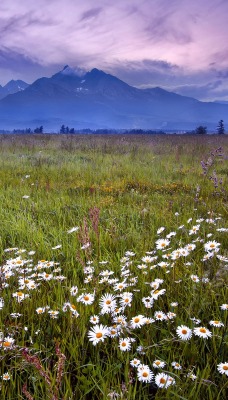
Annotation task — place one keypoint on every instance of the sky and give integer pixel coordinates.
(179, 45)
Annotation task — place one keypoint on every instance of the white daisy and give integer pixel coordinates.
(7, 343)
(223, 368)
(195, 278)
(144, 373)
(176, 365)
(114, 331)
(158, 364)
(162, 380)
(159, 316)
(149, 321)
(192, 376)
(183, 332)
(20, 296)
(126, 299)
(224, 307)
(121, 320)
(203, 332)
(97, 334)
(137, 322)
(160, 230)
(216, 324)
(147, 259)
(129, 254)
(211, 246)
(125, 344)
(171, 315)
(107, 303)
(40, 310)
(156, 293)
(94, 319)
(174, 304)
(162, 243)
(148, 302)
(53, 314)
(6, 376)
(135, 362)
(87, 298)
(190, 246)
(120, 286)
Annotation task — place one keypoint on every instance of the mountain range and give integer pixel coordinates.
(96, 99)
(12, 87)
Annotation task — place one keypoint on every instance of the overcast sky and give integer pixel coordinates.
(180, 45)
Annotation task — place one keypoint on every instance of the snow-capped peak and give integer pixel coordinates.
(76, 71)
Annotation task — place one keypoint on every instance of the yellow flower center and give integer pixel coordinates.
(225, 367)
(86, 298)
(145, 374)
(108, 302)
(99, 335)
(73, 306)
(162, 380)
(124, 344)
(157, 362)
(6, 344)
(19, 294)
(202, 330)
(136, 320)
(216, 322)
(184, 331)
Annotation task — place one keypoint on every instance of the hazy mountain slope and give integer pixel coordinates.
(96, 99)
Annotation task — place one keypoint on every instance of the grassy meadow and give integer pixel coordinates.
(113, 273)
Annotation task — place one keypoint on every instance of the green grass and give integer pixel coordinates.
(136, 184)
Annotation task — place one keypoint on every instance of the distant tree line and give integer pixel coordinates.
(202, 130)
(199, 130)
(40, 129)
(66, 129)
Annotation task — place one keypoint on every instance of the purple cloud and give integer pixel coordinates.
(167, 43)
(92, 13)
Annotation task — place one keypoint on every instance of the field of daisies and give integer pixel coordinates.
(113, 273)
